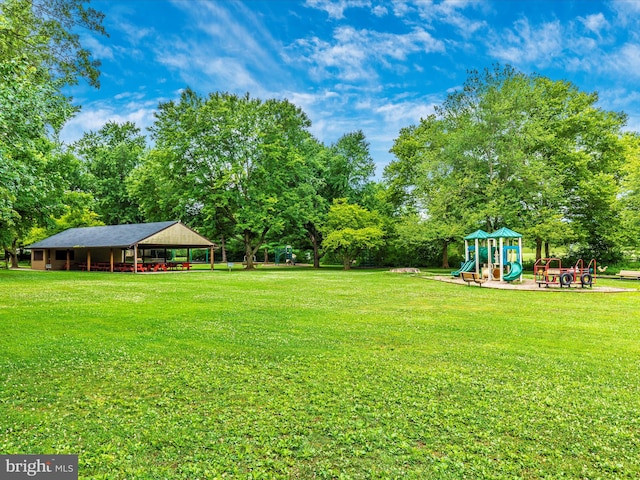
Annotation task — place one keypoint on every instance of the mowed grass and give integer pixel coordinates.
(295, 373)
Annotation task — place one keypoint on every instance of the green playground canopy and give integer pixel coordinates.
(477, 235)
(505, 232)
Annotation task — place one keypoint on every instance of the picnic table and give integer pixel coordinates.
(96, 266)
(178, 265)
(129, 267)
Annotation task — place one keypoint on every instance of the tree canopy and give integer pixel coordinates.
(351, 229)
(108, 156)
(514, 150)
(225, 159)
(508, 149)
(39, 55)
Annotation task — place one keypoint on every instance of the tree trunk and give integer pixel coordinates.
(224, 249)
(445, 254)
(314, 236)
(248, 251)
(13, 253)
(546, 249)
(538, 248)
(346, 261)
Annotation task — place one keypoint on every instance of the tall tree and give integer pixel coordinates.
(45, 32)
(631, 190)
(516, 150)
(39, 54)
(350, 229)
(227, 159)
(432, 178)
(343, 170)
(109, 156)
(312, 203)
(350, 168)
(579, 146)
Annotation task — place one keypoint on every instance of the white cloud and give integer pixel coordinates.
(595, 23)
(622, 99)
(131, 95)
(618, 99)
(335, 8)
(335, 113)
(353, 55)
(134, 33)
(406, 113)
(232, 50)
(395, 115)
(449, 12)
(221, 26)
(94, 116)
(401, 8)
(380, 11)
(524, 44)
(628, 11)
(97, 48)
(203, 68)
(589, 44)
(328, 111)
(624, 61)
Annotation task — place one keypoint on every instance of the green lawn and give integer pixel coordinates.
(295, 373)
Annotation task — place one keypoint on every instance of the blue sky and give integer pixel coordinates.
(369, 65)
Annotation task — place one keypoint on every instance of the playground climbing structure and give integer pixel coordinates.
(496, 256)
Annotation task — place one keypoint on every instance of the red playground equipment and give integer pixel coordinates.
(549, 271)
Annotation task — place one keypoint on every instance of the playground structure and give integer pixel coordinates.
(285, 253)
(492, 257)
(549, 271)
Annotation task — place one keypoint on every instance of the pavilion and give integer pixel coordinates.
(133, 247)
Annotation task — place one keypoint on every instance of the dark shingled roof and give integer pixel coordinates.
(123, 236)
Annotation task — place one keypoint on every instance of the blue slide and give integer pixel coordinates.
(515, 269)
(466, 267)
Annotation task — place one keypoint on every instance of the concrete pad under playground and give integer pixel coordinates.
(528, 284)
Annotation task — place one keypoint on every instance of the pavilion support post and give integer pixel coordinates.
(67, 265)
(88, 260)
(111, 260)
(135, 258)
(211, 256)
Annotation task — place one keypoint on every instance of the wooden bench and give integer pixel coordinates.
(473, 277)
(629, 274)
